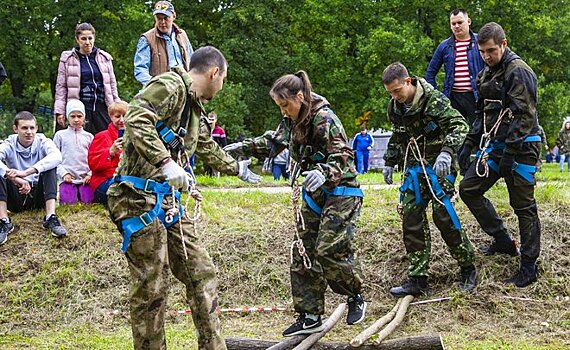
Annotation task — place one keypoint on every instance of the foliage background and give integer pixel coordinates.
(343, 45)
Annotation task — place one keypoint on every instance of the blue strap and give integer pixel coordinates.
(136, 223)
(412, 183)
(533, 138)
(339, 191)
(165, 132)
(525, 171)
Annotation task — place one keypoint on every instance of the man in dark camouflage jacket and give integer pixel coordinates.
(508, 140)
(142, 196)
(427, 132)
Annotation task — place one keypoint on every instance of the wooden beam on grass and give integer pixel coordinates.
(375, 327)
(403, 307)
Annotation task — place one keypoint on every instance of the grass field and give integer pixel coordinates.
(72, 293)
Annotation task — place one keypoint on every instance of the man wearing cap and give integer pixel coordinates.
(162, 47)
(28, 163)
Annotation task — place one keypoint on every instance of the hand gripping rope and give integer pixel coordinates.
(295, 195)
(485, 146)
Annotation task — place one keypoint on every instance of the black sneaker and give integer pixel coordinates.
(414, 286)
(5, 228)
(53, 224)
(356, 309)
(468, 278)
(304, 325)
(509, 248)
(525, 276)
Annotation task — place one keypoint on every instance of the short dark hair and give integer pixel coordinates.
(84, 26)
(490, 31)
(395, 71)
(24, 115)
(458, 11)
(207, 57)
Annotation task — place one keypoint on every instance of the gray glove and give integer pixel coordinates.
(442, 165)
(235, 149)
(387, 172)
(247, 175)
(175, 175)
(313, 180)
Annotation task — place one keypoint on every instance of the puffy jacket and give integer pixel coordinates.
(68, 84)
(100, 162)
(445, 54)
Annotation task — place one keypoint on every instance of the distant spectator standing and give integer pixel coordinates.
(219, 135)
(563, 143)
(73, 143)
(162, 47)
(28, 164)
(105, 152)
(280, 165)
(86, 73)
(3, 74)
(362, 144)
(462, 62)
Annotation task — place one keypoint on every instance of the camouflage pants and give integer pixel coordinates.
(521, 198)
(328, 241)
(154, 251)
(417, 237)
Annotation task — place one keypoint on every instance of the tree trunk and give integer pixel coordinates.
(423, 342)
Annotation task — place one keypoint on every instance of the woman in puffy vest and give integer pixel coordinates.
(86, 73)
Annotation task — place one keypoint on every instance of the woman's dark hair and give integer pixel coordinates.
(286, 88)
(83, 26)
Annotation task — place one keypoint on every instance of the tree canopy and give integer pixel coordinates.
(343, 45)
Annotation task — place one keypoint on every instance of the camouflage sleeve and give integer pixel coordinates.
(271, 143)
(159, 99)
(521, 92)
(212, 154)
(452, 123)
(395, 150)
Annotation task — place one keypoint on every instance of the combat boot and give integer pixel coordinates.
(468, 278)
(414, 286)
(526, 275)
(503, 244)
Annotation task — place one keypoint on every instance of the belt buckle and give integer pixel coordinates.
(149, 186)
(146, 219)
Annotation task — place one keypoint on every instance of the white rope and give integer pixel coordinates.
(486, 139)
(298, 242)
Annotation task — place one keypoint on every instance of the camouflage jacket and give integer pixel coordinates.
(163, 99)
(563, 141)
(441, 127)
(327, 149)
(510, 84)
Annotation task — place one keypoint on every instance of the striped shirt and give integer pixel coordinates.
(462, 83)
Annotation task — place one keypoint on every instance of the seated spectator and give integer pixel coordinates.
(73, 143)
(105, 152)
(28, 164)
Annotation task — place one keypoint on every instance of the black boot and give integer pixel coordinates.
(414, 286)
(468, 278)
(503, 244)
(526, 275)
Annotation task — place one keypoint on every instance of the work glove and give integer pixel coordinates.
(506, 165)
(442, 165)
(235, 149)
(388, 171)
(245, 174)
(313, 180)
(464, 159)
(176, 176)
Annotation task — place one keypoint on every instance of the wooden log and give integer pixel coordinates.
(422, 342)
(397, 320)
(328, 325)
(375, 327)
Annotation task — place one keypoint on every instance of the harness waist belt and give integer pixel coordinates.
(339, 191)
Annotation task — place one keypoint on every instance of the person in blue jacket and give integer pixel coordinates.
(362, 144)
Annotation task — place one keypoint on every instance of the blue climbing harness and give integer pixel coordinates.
(524, 170)
(335, 192)
(412, 184)
(136, 223)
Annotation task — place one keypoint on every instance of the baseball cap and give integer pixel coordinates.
(163, 7)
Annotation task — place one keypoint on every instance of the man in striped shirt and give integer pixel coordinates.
(462, 62)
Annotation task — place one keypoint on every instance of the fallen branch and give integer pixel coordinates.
(397, 320)
(375, 327)
(328, 325)
(436, 300)
(423, 342)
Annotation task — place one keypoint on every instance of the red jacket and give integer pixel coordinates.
(100, 162)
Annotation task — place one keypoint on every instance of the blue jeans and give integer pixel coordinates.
(564, 158)
(280, 170)
(362, 161)
(101, 191)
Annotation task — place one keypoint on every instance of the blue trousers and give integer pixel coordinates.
(362, 161)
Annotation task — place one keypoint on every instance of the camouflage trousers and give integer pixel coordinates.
(417, 236)
(152, 252)
(328, 240)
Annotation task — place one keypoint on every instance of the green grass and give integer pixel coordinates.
(72, 293)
